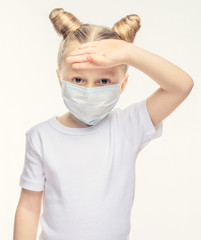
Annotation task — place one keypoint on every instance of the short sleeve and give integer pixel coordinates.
(32, 176)
(149, 131)
(136, 125)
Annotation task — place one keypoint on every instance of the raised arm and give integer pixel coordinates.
(175, 84)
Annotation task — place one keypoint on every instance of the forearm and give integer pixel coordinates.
(166, 74)
(26, 224)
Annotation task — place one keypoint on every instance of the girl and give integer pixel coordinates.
(83, 162)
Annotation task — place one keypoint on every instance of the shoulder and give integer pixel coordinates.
(129, 112)
(37, 130)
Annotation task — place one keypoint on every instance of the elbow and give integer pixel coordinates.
(190, 84)
(187, 87)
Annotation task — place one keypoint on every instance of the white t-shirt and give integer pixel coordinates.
(87, 174)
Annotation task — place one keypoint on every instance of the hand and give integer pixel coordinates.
(99, 54)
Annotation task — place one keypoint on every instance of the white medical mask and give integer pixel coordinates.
(90, 105)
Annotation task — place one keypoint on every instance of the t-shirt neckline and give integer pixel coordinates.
(54, 122)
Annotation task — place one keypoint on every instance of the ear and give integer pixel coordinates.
(124, 82)
(58, 77)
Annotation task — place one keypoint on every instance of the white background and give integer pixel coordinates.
(167, 202)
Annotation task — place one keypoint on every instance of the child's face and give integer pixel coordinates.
(92, 77)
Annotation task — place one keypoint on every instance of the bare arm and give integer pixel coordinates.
(175, 84)
(27, 215)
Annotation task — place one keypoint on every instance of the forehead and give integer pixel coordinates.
(114, 73)
(96, 71)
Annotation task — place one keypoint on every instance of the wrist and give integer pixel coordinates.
(130, 54)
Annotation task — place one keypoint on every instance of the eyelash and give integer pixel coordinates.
(100, 80)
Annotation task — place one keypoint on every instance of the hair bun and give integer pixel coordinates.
(127, 27)
(64, 22)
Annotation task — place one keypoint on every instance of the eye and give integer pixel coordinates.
(79, 79)
(104, 80)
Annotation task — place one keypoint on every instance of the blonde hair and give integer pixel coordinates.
(74, 31)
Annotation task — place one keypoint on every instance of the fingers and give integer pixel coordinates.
(94, 62)
(81, 51)
(92, 58)
(78, 58)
